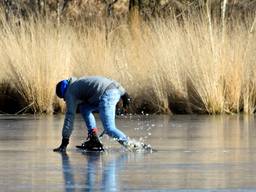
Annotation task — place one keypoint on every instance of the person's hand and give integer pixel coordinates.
(126, 100)
(63, 146)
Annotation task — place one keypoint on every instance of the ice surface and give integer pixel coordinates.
(195, 153)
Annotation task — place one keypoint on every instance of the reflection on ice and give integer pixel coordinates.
(195, 153)
(98, 175)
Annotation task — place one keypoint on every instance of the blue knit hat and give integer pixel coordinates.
(61, 88)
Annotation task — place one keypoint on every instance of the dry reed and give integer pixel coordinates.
(35, 56)
(166, 67)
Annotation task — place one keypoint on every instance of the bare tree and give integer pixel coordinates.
(135, 4)
(109, 6)
(61, 7)
(109, 13)
(7, 8)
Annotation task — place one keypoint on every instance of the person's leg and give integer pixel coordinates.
(86, 111)
(92, 142)
(107, 108)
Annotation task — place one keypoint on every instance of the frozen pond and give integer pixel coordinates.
(195, 153)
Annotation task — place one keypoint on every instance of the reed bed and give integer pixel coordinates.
(34, 56)
(166, 66)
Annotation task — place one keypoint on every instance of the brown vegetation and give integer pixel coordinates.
(198, 61)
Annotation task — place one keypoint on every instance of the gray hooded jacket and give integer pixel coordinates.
(84, 90)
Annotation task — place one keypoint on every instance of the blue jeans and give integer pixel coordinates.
(107, 110)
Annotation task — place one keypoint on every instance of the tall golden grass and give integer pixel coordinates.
(34, 56)
(167, 66)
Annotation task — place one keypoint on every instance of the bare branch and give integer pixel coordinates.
(64, 5)
(135, 3)
(109, 7)
(253, 25)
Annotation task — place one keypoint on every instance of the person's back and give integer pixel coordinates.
(89, 89)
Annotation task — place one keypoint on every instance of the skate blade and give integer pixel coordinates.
(99, 149)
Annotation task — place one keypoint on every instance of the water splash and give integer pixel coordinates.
(137, 146)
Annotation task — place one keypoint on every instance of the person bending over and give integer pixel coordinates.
(90, 94)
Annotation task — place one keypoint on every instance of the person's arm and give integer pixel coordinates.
(68, 124)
